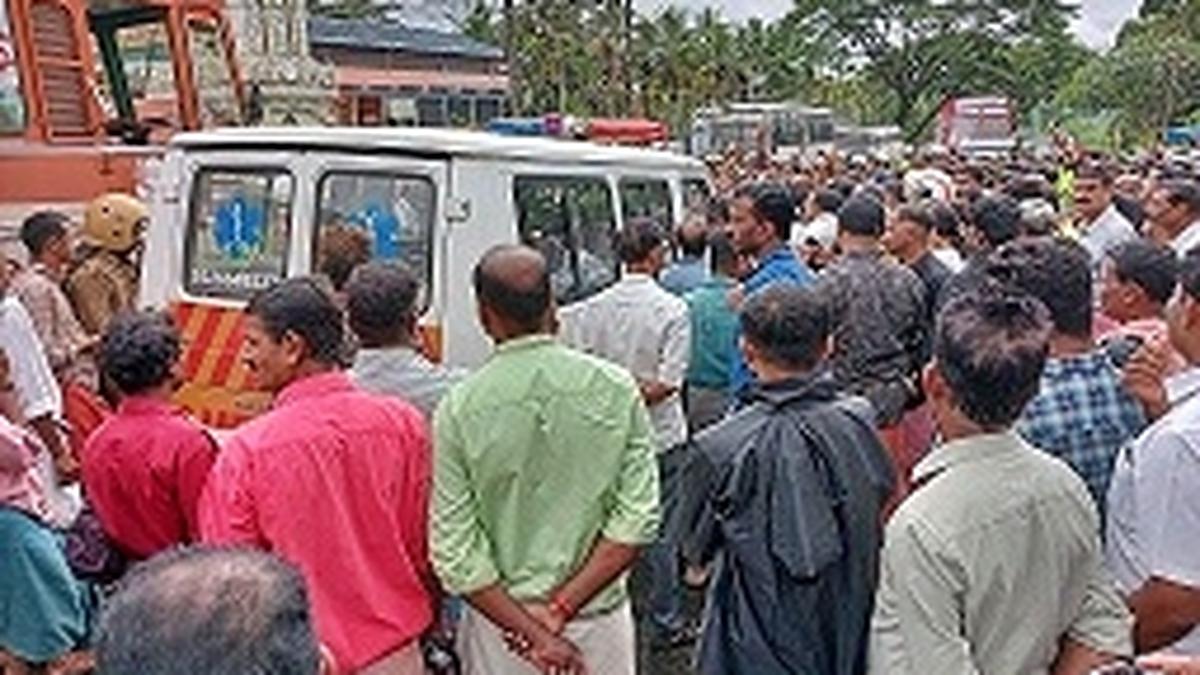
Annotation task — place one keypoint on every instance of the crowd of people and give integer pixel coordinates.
(939, 418)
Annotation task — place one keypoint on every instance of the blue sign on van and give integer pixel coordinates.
(384, 225)
(240, 227)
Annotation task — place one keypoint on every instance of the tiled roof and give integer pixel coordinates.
(382, 35)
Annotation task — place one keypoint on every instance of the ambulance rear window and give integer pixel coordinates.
(237, 238)
(390, 214)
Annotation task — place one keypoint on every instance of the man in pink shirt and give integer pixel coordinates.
(144, 468)
(334, 480)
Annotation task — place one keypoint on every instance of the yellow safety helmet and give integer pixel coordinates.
(114, 222)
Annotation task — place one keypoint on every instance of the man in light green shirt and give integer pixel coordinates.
(993, 564)
(545, 486)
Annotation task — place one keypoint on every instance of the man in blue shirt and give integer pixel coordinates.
(714, 338)
(760, 223)
(1082, 414)
(688, 272)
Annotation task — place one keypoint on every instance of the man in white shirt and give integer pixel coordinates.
(993, 564)
(814, 241)
(38, 397)
(1102, 227)
(639, 325)
(1174, 213)
(1153, 538)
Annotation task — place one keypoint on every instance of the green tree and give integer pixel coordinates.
(875, 61)
(920, 52)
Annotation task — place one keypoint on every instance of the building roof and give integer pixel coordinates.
(436, 143)
(389, 36)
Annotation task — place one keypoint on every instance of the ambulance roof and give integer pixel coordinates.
(434, 143)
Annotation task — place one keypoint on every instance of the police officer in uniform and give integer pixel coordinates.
(105, 281)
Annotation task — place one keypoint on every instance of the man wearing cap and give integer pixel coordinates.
(105, 283)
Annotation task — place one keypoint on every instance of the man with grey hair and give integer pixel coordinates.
(382, 304)
(210, 611)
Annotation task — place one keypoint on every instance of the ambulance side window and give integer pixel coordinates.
(570, 220)
(237, 236)
(374, 216)
(695, 195)
(646, 198)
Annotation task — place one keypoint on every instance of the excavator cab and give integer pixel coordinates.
(166, 66)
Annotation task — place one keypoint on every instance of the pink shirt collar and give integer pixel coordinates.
(314, 386)
(144, 405)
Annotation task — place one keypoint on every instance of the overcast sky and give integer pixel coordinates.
(1097, 24)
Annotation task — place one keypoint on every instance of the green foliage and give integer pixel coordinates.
(875, 61)
(1150, 80)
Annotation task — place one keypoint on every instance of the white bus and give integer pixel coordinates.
(785, 129)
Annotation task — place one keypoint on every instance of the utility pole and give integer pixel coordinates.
(627, 54)
(510, 52)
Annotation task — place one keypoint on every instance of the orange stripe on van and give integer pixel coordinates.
(218, 346)
(210, 320)
(181, 313)
(229, 361)
(215, 387)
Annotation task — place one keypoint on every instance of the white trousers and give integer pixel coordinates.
(607, 643)
(405, 661)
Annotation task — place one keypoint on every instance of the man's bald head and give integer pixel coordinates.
(513, 282)
(693, 236)
(209, 611)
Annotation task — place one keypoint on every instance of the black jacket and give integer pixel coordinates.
(785, 497)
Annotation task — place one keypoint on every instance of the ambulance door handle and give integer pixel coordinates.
(458, 210)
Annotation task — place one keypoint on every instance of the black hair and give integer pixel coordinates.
(381, 303)
(1031, 186)
(843, 186)
(1151, 267)
(991, 347)
(525, 306)
(862, 215)
(42, 228)
(342, 248)
(920, 213)
(1057, 272)
(305, 307)
(638, 239)
(829, 200)
(138, 351)
(1189, 273)
(789, 324)
(209, 610)
(722, 255)
(1095, 170)
(998, 219)
(773, 203)
(717, 211)
(945, 221)
(693, 242)
(1183, 191)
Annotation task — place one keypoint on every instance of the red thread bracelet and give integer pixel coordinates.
(561, 608)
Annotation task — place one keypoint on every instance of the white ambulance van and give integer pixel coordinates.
(236, 210)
